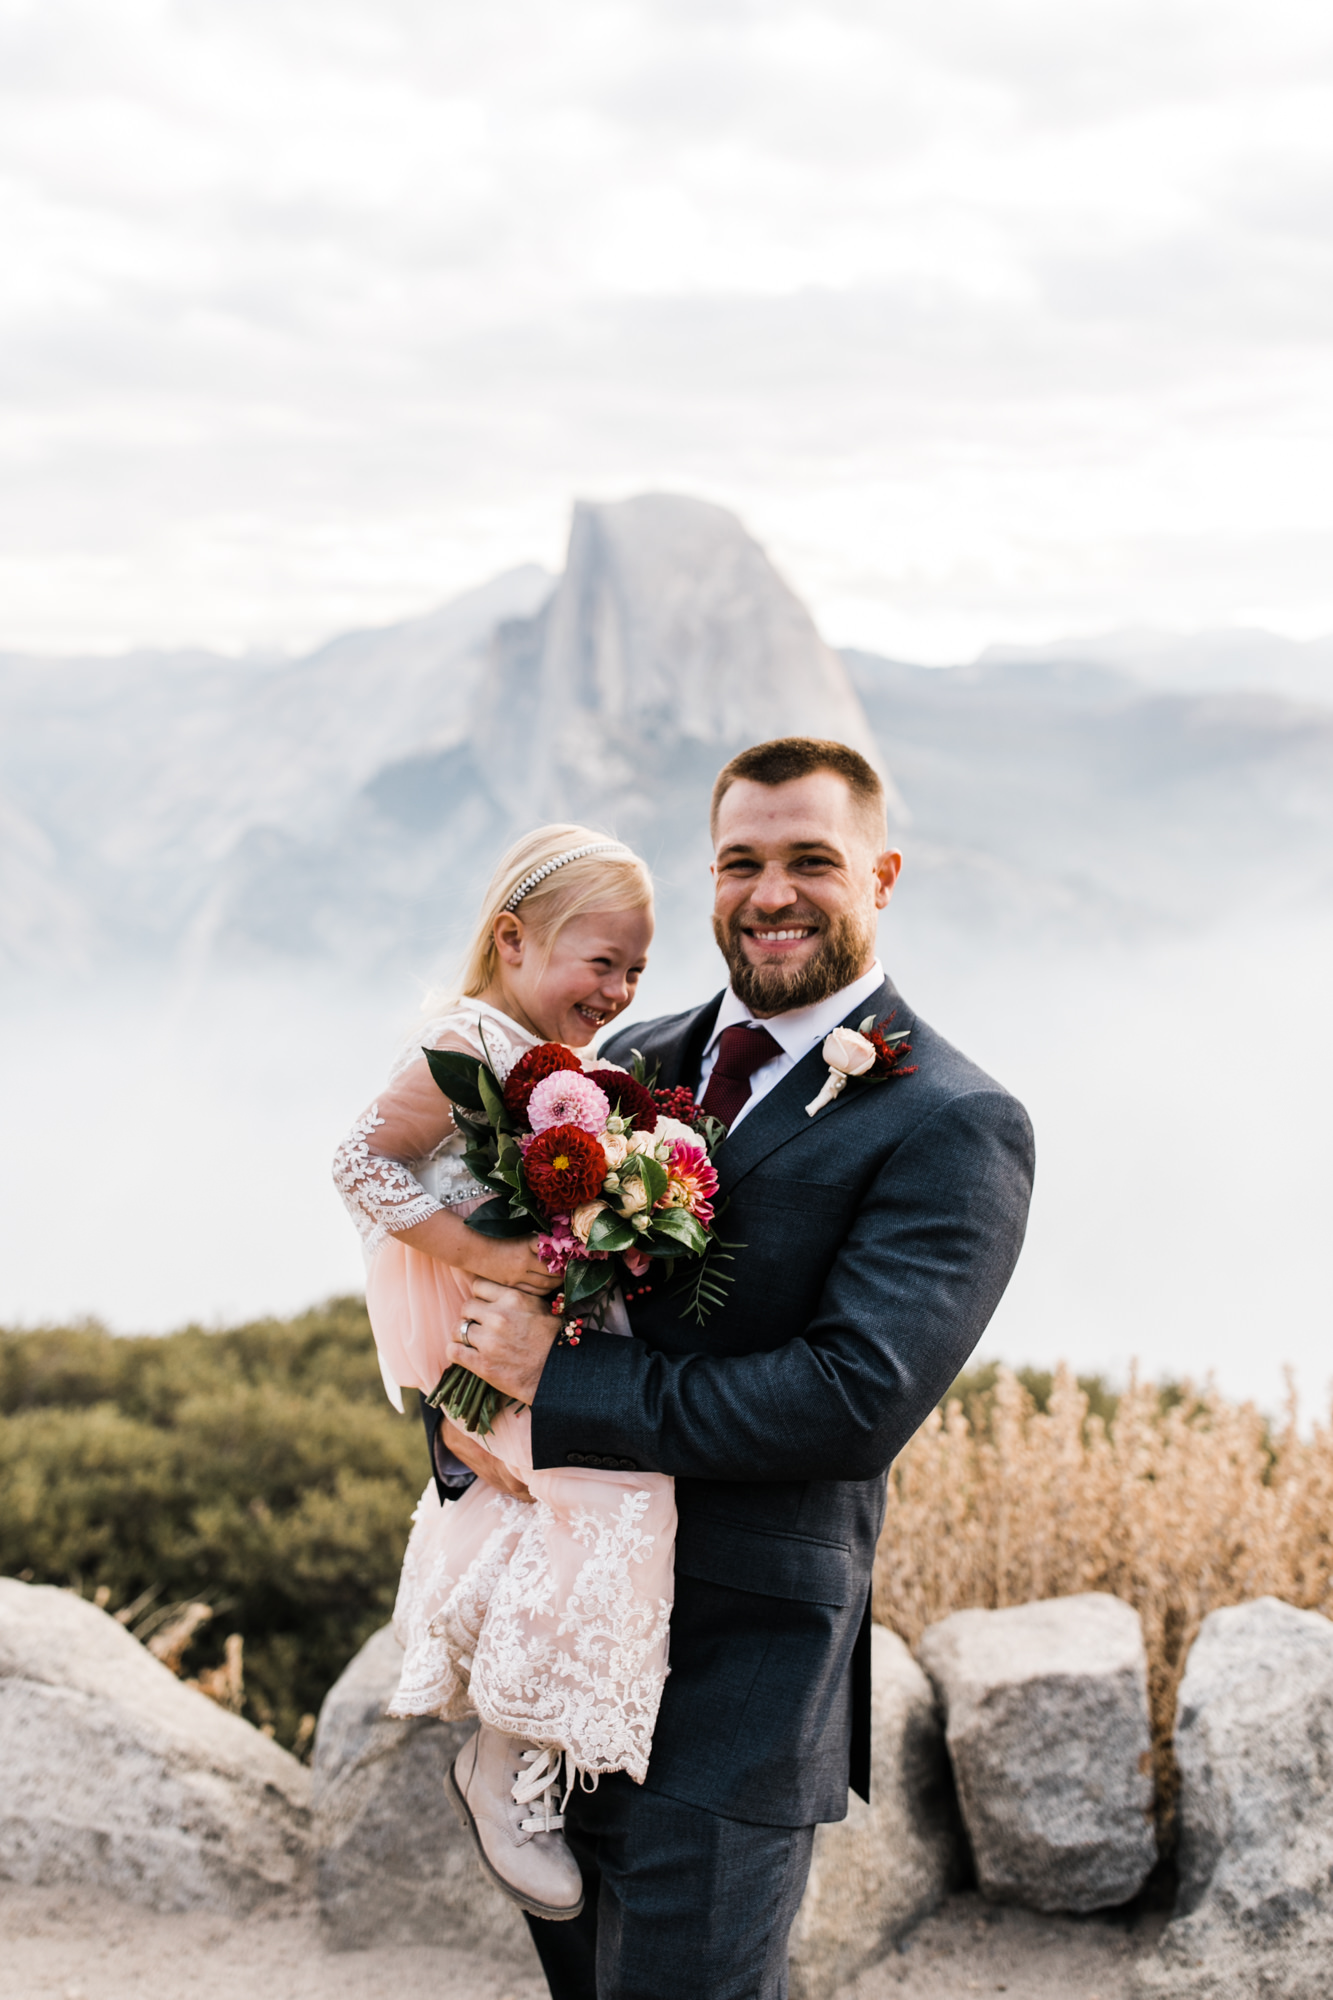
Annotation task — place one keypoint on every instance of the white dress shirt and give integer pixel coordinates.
(798, 1032)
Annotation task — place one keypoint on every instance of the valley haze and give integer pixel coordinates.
(224, 884)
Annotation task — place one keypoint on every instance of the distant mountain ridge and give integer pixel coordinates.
(1066, 804)
(344, 808)
(1241, 660)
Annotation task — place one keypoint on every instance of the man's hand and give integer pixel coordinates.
(477, 1459)
(508, 1340)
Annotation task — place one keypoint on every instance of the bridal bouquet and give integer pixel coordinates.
(611, 1175)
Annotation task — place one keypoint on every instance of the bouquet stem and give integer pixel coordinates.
(468, 1400)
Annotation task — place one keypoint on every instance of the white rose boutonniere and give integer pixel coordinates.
(863, 1051)
(847, 1054)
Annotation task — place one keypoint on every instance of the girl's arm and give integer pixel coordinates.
(408, 1121)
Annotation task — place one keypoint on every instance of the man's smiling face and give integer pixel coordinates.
(802, 874)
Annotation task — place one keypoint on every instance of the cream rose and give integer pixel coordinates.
(583, 1218)
(633, 1197)
(616, 1148)
(670, 1132)
(849, 1053)
(643, 1142)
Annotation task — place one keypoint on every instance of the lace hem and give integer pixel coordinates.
(437, 1616)
(595, 1696)
(490, 1631)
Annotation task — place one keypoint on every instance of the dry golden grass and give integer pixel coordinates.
(1176, 1506)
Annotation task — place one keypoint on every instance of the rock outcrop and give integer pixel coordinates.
(1254, 1741)
(889, 1863)
(670, 641)
(1046, 1710)
(393, 1865)
(114, 1775)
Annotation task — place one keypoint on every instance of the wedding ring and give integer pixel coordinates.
(463, 1326)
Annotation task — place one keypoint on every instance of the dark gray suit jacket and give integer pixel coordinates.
(879, 1236)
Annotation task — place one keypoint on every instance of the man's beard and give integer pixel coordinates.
(844, 949)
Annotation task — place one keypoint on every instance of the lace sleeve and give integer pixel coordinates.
(379, 1166)
(380, 1193)
(406, 1126)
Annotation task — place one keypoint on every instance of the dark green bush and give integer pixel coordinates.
(259, 1470)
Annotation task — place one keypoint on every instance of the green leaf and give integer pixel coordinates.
(712, 1131)
(866, 1025)
(654, 1177)
(457, 1076)
(495, 1218)
(638, 1069)
(494, 1103)
(584, 1279)
(682, 1227)
(651, 1247)
(611, 1232)
(705, 1288)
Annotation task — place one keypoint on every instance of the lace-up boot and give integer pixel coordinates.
(506, 1792)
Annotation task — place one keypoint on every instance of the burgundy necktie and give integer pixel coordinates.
(740, 1052)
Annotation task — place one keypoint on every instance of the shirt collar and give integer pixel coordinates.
(797, 1031)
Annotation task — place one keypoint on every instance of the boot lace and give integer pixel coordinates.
(537, 1786)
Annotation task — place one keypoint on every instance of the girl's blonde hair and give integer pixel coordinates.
(614, 879)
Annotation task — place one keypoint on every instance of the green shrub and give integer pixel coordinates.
(258, 1470)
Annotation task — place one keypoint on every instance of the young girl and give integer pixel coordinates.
(547, 1617)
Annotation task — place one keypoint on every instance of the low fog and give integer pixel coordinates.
(173, 1162)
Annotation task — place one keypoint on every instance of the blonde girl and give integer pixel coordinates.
(540, 1600)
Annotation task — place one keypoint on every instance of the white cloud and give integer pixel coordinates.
(992, 320)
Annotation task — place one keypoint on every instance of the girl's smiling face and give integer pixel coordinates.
(572, 989)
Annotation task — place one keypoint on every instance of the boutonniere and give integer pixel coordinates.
(866, 1053)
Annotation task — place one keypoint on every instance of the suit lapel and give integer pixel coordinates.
(782, 1113)
(683, 1054)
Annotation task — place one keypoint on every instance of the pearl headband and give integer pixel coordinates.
(529, 882)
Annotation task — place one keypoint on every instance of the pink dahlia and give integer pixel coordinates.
(568, 1098)
(529, 1070)
(557, 1245)
(691, 1181)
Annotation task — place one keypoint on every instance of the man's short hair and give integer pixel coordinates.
(788, 757)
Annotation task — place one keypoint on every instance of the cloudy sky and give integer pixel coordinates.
(996, 319)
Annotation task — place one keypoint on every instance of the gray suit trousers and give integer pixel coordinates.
(680, 1902)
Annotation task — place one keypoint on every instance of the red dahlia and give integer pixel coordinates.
(528, 1071)
(564, 1166)
(632, 1100)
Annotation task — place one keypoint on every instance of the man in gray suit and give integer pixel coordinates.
(879, 1234)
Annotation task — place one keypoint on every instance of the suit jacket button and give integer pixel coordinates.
(575, 1458)
(627, 1464)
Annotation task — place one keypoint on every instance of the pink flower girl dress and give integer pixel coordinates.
(548, 1620)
